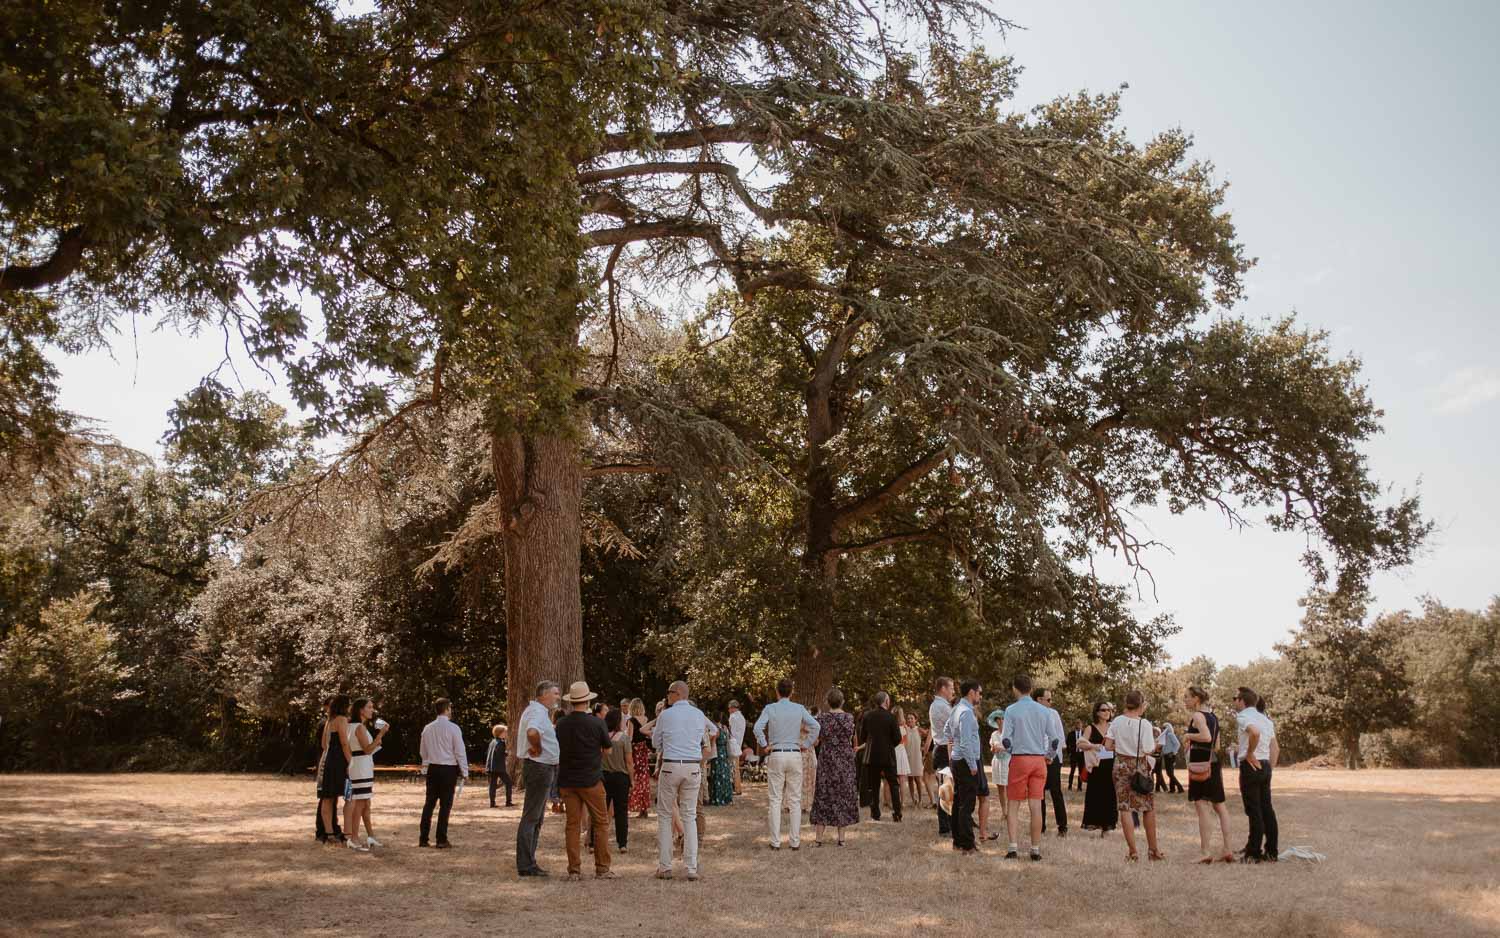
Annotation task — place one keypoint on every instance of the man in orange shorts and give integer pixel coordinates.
(1029, 738)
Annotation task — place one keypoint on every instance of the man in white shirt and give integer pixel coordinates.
(537, 739)
(678, 735)
(1257, 735)
(444, 760)
(779, 731)
(736, 741)
(937, 719)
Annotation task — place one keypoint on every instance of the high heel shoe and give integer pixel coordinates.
(1132, 858)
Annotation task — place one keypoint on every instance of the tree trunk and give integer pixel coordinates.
(539, 482)
(1351, 749)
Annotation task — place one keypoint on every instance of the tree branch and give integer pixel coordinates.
(888, 540)
(873, 503)
(66, 257)
(623, 468)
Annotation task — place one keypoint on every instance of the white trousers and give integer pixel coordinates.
(784, 774)
(677, 793)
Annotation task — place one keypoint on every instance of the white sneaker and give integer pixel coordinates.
(356, 845)
(372, 842)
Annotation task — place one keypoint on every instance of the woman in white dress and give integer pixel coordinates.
(911, 741)
(903, 758)
(999, 763)
(361, 785)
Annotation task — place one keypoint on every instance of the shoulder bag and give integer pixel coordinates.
(1200, 771)
(1141, 781)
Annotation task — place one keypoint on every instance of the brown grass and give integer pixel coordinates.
(122, 855)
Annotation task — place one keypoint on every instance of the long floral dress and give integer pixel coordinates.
(836, 800)
(640, 779)
(720, 778)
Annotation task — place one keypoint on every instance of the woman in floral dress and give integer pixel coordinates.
(720, 776)
(640, 753)
(836, 800)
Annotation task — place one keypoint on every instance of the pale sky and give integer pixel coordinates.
(1360, 144)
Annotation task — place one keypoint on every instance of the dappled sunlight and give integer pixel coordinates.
(234, 855)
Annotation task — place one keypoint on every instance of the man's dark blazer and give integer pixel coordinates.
(881, 734)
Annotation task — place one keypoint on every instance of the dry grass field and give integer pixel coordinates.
(1409, 853)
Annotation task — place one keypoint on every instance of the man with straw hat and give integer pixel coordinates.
(582, 740)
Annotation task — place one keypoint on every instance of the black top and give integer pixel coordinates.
(638, 733)
(581, 741)
(881, 735)
(1200, 751)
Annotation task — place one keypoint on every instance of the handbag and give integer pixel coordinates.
(1200, 771)
(1141, 781)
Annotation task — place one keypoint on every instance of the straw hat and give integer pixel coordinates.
(579, 693)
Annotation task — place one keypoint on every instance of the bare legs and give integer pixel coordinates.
(1206, 811)
(1127, 824)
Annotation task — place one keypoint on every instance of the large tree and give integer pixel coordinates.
(1348, 677)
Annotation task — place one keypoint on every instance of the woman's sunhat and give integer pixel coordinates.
(579, 693)
(996, 715)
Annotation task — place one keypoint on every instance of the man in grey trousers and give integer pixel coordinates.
(535, 732)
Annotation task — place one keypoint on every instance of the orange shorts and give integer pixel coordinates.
(1028, 778)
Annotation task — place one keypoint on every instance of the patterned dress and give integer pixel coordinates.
(836, 801)
(640, 780)
(720, 778)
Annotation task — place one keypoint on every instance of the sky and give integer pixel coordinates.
(1360, 146)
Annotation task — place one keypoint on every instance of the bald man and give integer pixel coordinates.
(679, 735)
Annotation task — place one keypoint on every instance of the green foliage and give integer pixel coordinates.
(59, 679)
(1452, 657)
(1347, 678)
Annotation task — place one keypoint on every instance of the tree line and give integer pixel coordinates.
(770, 331)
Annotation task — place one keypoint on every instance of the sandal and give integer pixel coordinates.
(839, 843)
(1132, 858)
(1157, 855)
(1227, 858)
(1206, 861)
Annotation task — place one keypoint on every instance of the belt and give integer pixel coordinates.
(684, 761)
(799, 749)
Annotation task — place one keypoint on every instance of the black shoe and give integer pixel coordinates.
(535, 872)
(1062, 832)
(423, 843)
(1036, 855)
(1012, 855)
(444, 845)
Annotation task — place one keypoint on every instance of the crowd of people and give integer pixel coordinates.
(596, 764)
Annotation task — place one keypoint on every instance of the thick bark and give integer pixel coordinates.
(539, 480)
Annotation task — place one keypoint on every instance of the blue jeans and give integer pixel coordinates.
(538, 780)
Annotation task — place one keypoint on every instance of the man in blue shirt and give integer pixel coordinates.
(678, 734)
(963, 760)
(1031, 738)
(1169, 745)
(779, 732)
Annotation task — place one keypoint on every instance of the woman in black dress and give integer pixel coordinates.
(1206, 794)
(1099, 803)
(335, 762)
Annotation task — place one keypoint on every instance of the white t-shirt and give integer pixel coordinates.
(1247, 718)
(1133, 736)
